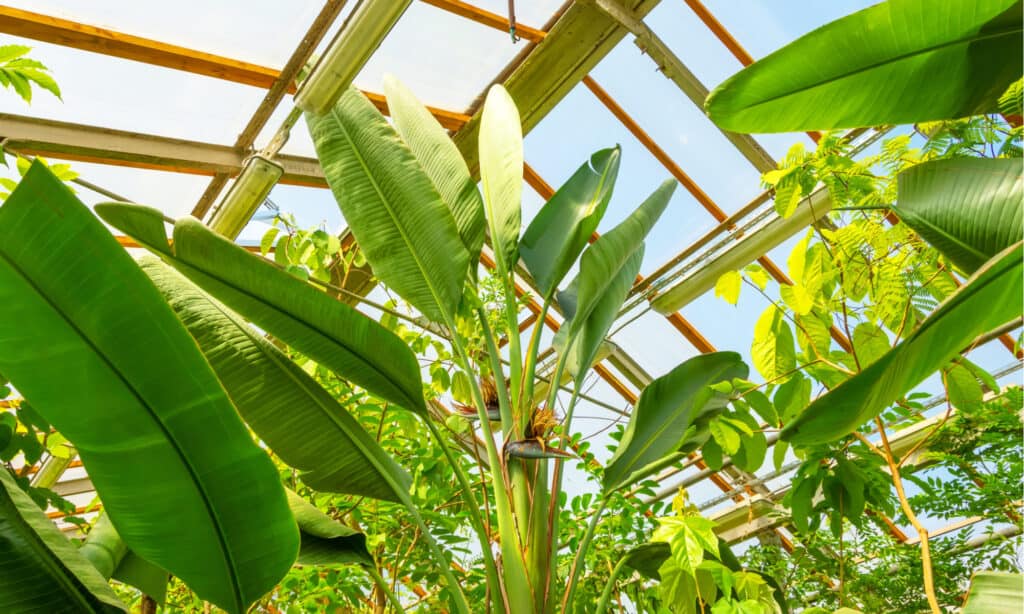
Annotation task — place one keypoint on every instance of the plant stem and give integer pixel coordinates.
(531, 355)
(926, 558)
(471, 503)
(517, 585)
(574, 571)
(606, 594)
(384, 588)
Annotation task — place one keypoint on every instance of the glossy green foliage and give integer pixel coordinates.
(42, 571)
(21, 73)
(104, 547)
(607, 271)
(897, 62)
(989, 299)
(501, 173)
(556, 236)
(324, 540)
(967, 208)
(399, 219)
(442, 162)
(665, 412)
(994, 593)
(316, 435)
(130, 373)
(327, 330)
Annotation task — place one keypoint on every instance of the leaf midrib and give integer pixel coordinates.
(228, 559)
(960, 41)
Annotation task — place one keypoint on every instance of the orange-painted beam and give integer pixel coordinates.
(487, 18)
(86, 37)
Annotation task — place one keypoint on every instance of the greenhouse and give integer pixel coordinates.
(512, 307)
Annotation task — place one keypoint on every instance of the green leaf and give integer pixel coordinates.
(591, 335)
(728, 286)
(10, 52)
(994, 592)
(713, 454)
(317, 436)
(328, 331)
(103, 547)
(605, 259)
(726, 436)
(870, 343)
(758, 275)
(1012, 100)
(962, 388)
(773, 351)
(501, 172)
(967, 208)
(564, 225)
(948, 59)
(324, 540)
(797, 298)
(42, 571)
(852, 479)
(763, 406)
(401, 223)
(753, 446)
(647, 558)
(148, 417)
(664, 412)
(801, 503)
(989, 299)
(143, 575)
(442, 162)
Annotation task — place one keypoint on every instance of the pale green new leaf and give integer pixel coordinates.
(327, 330)
(148, 417)
(897, 62)
(42, 571)
(773, 352)
(967, 208)
(870, 343)
(501, 172)
(564, 225)
(664, 412)
(110, 555)
(989, 299)
(728, 286)
(401, 223)
(442, 162)
(316, 435)
(994, 592)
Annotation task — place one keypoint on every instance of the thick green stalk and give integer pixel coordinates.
(517, 585)
(384, 588)
(606, 594)
(529, 372)
(472, 505)
(574, 571)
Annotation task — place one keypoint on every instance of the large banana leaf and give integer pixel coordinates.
(501, 172)
(599, 282)
(667, 408)
(42, 571)
(401, 223)
(968, 208)
(562, 228)
(329, 331)
(285, 407)
(994, 592)
(324, 540)
(442, 162)
(897, 62)
(989, 299)
(89, 341)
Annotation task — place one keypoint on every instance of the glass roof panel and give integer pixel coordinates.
(258, 31)
(104, 91)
